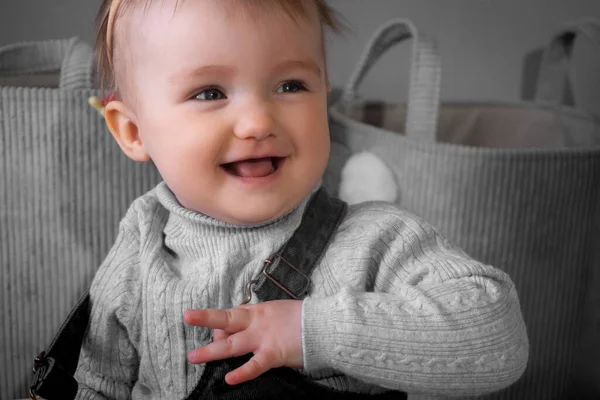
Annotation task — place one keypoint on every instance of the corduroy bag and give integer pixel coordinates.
(64, 187)
(515, 185)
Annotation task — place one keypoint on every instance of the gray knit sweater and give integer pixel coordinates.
(393, 304)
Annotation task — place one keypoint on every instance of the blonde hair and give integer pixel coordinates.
(111, 9)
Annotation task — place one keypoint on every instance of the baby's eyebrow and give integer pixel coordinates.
(215, 71)
(298, 64)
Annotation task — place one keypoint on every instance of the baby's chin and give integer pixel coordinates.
(254, 217)
(248, 216)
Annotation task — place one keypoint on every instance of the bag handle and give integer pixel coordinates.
(72, 58)
(554, 70)
(425, 76)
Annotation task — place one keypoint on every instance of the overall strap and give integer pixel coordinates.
(53, 369)
(286, 274)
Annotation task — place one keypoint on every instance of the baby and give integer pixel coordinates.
(228, 98)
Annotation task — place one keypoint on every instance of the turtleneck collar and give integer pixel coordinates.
(194, 236)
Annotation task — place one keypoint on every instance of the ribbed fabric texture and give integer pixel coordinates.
(78, 66)
(393, 304)
(65, 185)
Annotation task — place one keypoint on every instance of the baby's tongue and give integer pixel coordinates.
(253, 168)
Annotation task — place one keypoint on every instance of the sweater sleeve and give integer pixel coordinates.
(108, 362)
(407, 310)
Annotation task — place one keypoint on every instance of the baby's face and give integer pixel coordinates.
(231, 108)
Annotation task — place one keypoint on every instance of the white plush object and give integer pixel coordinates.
(366, 178)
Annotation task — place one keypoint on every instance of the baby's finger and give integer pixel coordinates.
(256, 366)
(230, 320)
(220, 334)
(232, 346)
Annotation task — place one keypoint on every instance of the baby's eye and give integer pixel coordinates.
(291, 87)
(210, 95)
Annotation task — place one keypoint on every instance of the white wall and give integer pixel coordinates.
(36, 19)
(484, 43)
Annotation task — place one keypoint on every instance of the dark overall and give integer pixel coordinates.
(285, 276)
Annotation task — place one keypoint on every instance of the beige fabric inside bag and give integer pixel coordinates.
(492, 126)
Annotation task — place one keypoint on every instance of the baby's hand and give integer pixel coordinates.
(270, 330)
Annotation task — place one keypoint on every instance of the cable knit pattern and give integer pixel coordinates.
(393, 304)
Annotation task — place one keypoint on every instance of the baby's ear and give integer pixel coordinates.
(124, 129)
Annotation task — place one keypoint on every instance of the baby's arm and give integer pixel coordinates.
(404, 309)
(108, 361)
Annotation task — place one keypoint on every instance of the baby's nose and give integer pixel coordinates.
(255, 121)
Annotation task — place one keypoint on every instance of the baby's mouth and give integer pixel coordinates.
(253, 168)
